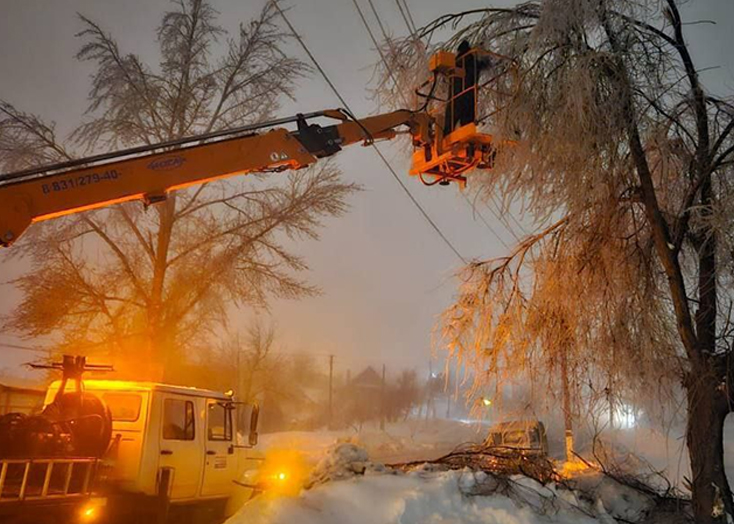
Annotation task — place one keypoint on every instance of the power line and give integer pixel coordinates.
(501, 217)
(382, 157)
(24, 348)
(410, 16)
(379, 20)
(517, 223)
(484, 220)
(377, 46)
(405, 19)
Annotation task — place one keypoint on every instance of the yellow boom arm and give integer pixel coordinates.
(148, 173)
(37, 195)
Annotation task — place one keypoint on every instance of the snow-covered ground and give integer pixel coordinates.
(398, 442)
(348, 484)
(414, 498)
(345, 487)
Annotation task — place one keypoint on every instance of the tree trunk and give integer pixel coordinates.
(707, 410)
(161, 345)
(567, 412)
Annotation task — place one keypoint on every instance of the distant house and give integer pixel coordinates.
(361, 399)
(20, 399)
(367, 379)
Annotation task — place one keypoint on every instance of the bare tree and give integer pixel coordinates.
(145, 283)
(254, 366)
(402, 396)
(625, 162)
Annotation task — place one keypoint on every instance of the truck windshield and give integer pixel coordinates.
(515, 438)
(125, 407)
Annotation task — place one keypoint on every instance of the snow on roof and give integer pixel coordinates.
(367, 378)
(125, 385)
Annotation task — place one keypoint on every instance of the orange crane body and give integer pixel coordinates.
(148, 173)
(149, 177)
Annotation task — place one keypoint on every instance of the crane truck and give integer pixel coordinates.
(144, 447)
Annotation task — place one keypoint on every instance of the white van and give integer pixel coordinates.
(171, 447)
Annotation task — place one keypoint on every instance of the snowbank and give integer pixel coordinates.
(415, 498)
(347, 488)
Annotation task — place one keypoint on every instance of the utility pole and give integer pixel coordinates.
(429, 396)
(331, 391)
(382, 400)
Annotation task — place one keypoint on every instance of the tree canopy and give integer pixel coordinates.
(145, 285)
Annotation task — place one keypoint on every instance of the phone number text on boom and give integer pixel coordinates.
(79, 181)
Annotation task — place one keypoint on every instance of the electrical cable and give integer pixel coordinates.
(405, 19)
(377, 46)
(384, 60)
(379, 20)
(410, 16)
(382, 157)
(499, 215)
(517, 223)
(484, 220)
(16, 347)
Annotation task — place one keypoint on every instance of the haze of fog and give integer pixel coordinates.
(384, 273)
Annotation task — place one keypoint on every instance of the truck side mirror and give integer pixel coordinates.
(253, 425)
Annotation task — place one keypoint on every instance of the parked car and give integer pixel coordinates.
(527, 436)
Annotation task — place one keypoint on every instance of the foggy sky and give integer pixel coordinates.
(384, 272)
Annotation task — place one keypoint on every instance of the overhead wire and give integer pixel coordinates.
(410, 16)
(17, 347)
(382, 157)
(501, 216)
(517, 222)
(484, 220)
(405, 18)
(379, 20)
(377, 46)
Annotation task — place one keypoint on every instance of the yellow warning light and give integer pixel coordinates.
(284, 472)
(91, 511)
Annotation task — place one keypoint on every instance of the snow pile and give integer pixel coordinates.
(341, 461)
(347, 488)
(609, 497)
(420, 497)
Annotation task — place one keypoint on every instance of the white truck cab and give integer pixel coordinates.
(189, 433)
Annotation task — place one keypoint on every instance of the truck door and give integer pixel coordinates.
(220, 465)
(181, 445)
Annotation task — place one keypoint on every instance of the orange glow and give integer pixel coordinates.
(284, 472)
(89, 513)
(574, 467)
